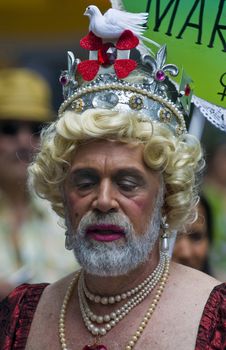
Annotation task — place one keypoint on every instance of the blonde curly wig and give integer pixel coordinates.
(179, 159)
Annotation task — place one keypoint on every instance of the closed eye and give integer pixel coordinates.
(83, 179)
(82, 186)
(127, 186)
(129, 180)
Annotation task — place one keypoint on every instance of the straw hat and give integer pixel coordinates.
(24, 95)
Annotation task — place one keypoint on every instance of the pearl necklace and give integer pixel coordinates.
(117, 298)
(131, 344)
(112, 319)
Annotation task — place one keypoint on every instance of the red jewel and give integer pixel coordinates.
(187, 90)
(107, 55)
(94, 347)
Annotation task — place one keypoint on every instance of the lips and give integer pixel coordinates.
(105, 233)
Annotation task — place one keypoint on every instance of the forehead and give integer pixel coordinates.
(110, 156)
(99, 151)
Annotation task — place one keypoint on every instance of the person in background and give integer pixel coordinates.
(214, 189)
(192, 247)
(26, 228)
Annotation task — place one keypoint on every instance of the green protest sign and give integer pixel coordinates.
(195, 34)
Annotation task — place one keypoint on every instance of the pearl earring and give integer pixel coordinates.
(164, 236)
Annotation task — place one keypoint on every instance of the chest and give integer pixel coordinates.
(166, 330)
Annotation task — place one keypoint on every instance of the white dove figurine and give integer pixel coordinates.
(114, 22)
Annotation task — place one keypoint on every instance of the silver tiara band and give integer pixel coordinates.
(124, 96)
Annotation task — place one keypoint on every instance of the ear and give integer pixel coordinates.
(164, 210)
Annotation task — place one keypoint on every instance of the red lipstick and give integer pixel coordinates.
(105, 232)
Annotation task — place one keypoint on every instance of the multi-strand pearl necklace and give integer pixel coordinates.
(120, 297)
(162, 281)
(108, 321)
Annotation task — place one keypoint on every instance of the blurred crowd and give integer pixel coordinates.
(203, 245)
(31, 239)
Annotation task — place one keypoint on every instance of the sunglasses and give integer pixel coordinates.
(11, 128)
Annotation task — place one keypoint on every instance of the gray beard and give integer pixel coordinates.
(117, 257)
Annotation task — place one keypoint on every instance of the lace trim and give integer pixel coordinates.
(214, 114)
(16, 314)
(212, 327)
(28, 307)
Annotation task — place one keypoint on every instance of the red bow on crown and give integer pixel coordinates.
(106, 56)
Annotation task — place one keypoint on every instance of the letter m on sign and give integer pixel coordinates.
(172, 4)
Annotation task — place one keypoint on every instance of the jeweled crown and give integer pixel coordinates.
(104, 81)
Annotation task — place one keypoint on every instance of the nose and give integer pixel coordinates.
(24, 136)
(105, 199)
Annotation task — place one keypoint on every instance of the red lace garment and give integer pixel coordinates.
(17, 311)
(16, 314)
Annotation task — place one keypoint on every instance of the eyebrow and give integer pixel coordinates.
(129, 171)
(84, 172)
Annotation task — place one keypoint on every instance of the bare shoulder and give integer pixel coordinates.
(183, 301)
(47, 316)
(192, 284)
(57, 289)
(52, 297)
(184, 272)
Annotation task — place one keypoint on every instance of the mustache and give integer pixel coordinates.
(110, 219)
